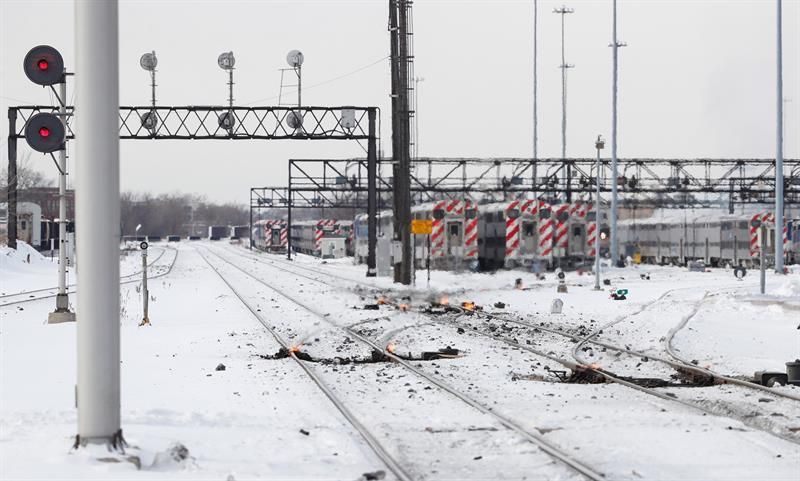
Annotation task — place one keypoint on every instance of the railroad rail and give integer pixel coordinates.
(535, 438)
(581, 365)
(49, 292)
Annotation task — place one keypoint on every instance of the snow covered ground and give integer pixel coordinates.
(262, 418)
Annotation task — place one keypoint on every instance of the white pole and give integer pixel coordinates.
(535, 84)
(779, 154)
(97, 221)
(62, 312)
(599, 146)
(613, 239)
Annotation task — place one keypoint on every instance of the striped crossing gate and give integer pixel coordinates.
(437, 232)
(591, 230)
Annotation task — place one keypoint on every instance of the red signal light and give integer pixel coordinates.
(43, 64)
(44, 132)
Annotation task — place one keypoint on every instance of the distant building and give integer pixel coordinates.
(47, 199)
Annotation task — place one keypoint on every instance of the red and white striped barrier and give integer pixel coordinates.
(470, 234)
(319, 232)
(437, 232)
(561, 239)
(591, 237)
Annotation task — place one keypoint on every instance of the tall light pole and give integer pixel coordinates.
(599, 144)
(779, 151)
(97, 222)
(535, 92)
(615, 44)
(563, 11)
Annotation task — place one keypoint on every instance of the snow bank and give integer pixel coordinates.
(14, 259)
(789, 288)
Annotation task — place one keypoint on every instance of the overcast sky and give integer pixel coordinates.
(697, 78)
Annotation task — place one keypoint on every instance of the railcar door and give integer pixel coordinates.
(529, 237)
(455, 239)
(577, 239)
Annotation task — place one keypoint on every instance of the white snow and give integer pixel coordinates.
(246, 421)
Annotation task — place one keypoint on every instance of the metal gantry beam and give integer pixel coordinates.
(741, 181)
(205, 122)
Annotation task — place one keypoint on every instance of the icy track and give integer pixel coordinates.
(496, 409)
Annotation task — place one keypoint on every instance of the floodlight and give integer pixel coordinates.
(226, 61)
(149, 61)
(295, 58)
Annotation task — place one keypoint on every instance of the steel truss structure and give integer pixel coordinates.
(222, 123)
(645, 182)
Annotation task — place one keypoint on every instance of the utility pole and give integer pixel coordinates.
(779, 150)
(97, 223)
(615, 44)
(535, 92)
(563, 11)
(399, 11)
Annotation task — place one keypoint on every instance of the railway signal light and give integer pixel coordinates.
(44, 65)
(45, 133)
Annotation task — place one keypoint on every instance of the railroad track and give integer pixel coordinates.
(50, 292)
(533, 437)
(375, 445)
(583, 366)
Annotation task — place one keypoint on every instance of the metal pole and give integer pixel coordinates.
(597, 226)
(145, 291)
(250, 226)
(372, 207)
(535, 80)
(779, 151)
(563, 11)
(12, 178)
(62, 313)
(299, 86)
(97, 222)
(614, 173)
(762, 258)
(535, 93)
(289, 217)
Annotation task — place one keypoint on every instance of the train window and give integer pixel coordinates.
(471, 213)
(544, 214)
(528, 228)
(23, 225)
(591, 216)
(454, 229)
(512, 213)
(743, 224)
(438, 214)
(576, 231)
(490, 217)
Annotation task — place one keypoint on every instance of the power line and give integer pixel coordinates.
(325, 82)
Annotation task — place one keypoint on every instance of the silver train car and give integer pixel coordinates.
(326, 238)
(452, 244)
(270, 235)
(716, 240)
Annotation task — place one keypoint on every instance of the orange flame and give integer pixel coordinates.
(444, 300)
(468, 305)
(403, 307)
(391, 347)
(295, 348)
(381, 301)
(595, 366)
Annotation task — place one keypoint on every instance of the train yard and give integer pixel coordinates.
(352, 378)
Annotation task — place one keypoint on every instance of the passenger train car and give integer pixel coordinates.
(326, 238)
(270, 235)
(716, 240)
(453, 240)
